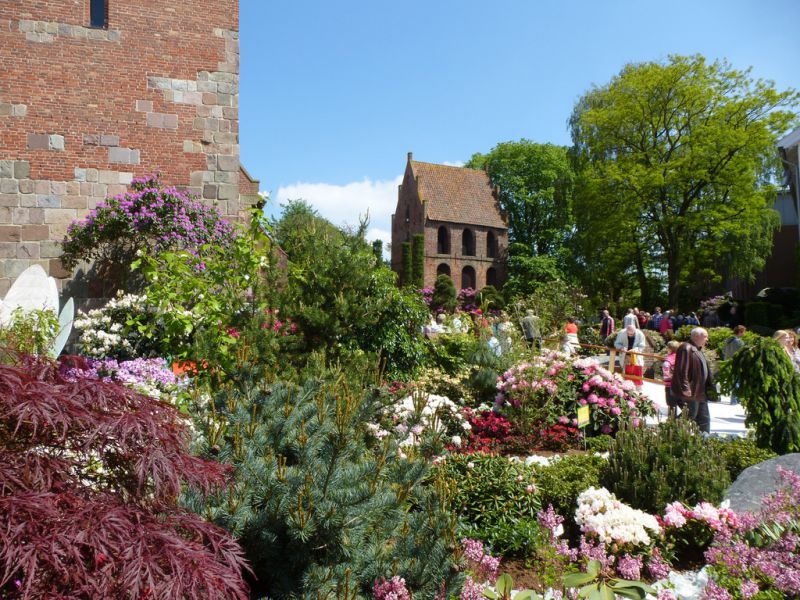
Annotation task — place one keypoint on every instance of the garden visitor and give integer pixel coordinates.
(655, 321)
(691, 378)
(665, 324)
(630, 319)
(630, 342)
(788, 342)
(667, 368)
(571, 342)
(504, 328)
(732, 345)
(693, 320)
(606, 325)
(642, 317)
(532, 330)
(680, 321)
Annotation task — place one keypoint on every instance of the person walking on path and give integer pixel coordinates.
(732, 345)
(629, 342)
(667, 368)
(691, 379)
(606, 325)
(532, 330)
(630, 319)
(665, 324)
(571, 336)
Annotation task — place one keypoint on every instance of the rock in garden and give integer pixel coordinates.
(758, 481)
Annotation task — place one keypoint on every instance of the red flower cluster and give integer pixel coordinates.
(558, 438)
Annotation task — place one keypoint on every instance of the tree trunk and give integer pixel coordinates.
(644, 284)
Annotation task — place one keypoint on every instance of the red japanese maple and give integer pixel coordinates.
(90, 473)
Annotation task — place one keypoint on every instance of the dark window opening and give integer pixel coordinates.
(408, 215)
(491, 245)
(98, 16)
(468, 278)
(443, 241)
(443, 269)
(468, 243)
(491, 277)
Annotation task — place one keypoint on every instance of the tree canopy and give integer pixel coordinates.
(676, 161)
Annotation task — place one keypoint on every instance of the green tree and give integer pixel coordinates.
(535, 182)
(407, 276)
(675, 161)
(418, 260)
(444, 294)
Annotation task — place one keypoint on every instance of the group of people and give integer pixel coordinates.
(788, 341)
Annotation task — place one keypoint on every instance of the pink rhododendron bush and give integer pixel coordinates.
(550, 388)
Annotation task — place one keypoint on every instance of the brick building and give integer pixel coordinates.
(466, 235)
(95, 92)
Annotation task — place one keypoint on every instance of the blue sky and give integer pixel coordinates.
(335, 93)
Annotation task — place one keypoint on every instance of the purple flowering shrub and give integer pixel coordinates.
(760, 556)
(427, 295)
(549, 389)
(148, 218)
(467, 299)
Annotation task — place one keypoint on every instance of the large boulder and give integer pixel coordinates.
(759, 481)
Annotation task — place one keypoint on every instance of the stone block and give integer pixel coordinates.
(135, 157)
(108, 176)
(114, 36)
(10, 233)
(80, 174)
(6, 168)
(192, 98)
(41, 186)
(99, 190)
(20, 110)
(14, 268)
(9, 186)
(58, 231)
(170, 121)
(73, 188)
(6, 109)
(34, 233)
(155, 120)
(210, 192)
(57, 270)
(28, 250)
(116, 189)
(8, 250)
(50, 249)
(34, 215)
(58, 188)
(225, 138)
(27, 200)
(109, 140)
(224, 100)
(92, 175)
(86, 188)
(209, 98)
(125, 178)
(144, 106)
(226, 177)
(180, 84)
(26, 25)
(228, 192)
(198, 124)
(222, 206)
(56, 142)
(207, 86)
(74, 201)
(203, 76)
(48, 201)
(60, 215)
(5, 284)
(119, 155)
(38, 141)
(9, 199)
(22, 169)
(91, 139)
(26, 186)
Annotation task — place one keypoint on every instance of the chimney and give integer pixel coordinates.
(410, 156)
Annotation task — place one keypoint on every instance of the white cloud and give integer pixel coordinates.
(345, 204)
(458, 163)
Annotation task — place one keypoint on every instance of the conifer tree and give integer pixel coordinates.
(418, 260)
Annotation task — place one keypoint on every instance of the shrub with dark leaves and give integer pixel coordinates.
(90, 473)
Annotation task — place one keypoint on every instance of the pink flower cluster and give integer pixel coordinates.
(559, 384)
(393, 589)
(676, 515)
(484, 565)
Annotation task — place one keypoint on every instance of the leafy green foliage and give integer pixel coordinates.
(444, 294)
(491, 298)
(676, 155)
(597, 584)
(649, 467)
(343, 299)
(503, 589)
(535, 182)
(561, 482)
(553, 303)
(740, 453)
(765, 379)
(407, 258)
(494, 499)
(529, 274)
(28, 332)
(321, 506)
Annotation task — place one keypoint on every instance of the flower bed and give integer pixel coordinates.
(550, 388)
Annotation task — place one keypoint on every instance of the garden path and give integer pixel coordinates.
(726, 419)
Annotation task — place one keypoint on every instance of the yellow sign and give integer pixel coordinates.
(583, 416)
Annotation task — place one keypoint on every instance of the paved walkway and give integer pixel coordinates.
(725, 419)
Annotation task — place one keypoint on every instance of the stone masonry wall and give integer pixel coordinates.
(84, 110)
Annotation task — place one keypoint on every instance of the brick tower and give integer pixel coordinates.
(95, 92)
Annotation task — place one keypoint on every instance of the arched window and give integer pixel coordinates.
(443, 241)
(468, 277)
(443, 269)
(468, 243)
(491, 245)
(491, 276)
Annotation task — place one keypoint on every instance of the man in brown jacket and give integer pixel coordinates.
(691, 378)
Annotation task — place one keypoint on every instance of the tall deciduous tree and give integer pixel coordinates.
(535, 182)
(676, 160)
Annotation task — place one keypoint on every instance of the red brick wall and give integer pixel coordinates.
(83, 110)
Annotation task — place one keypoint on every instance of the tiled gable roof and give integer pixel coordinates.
(457, 195)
